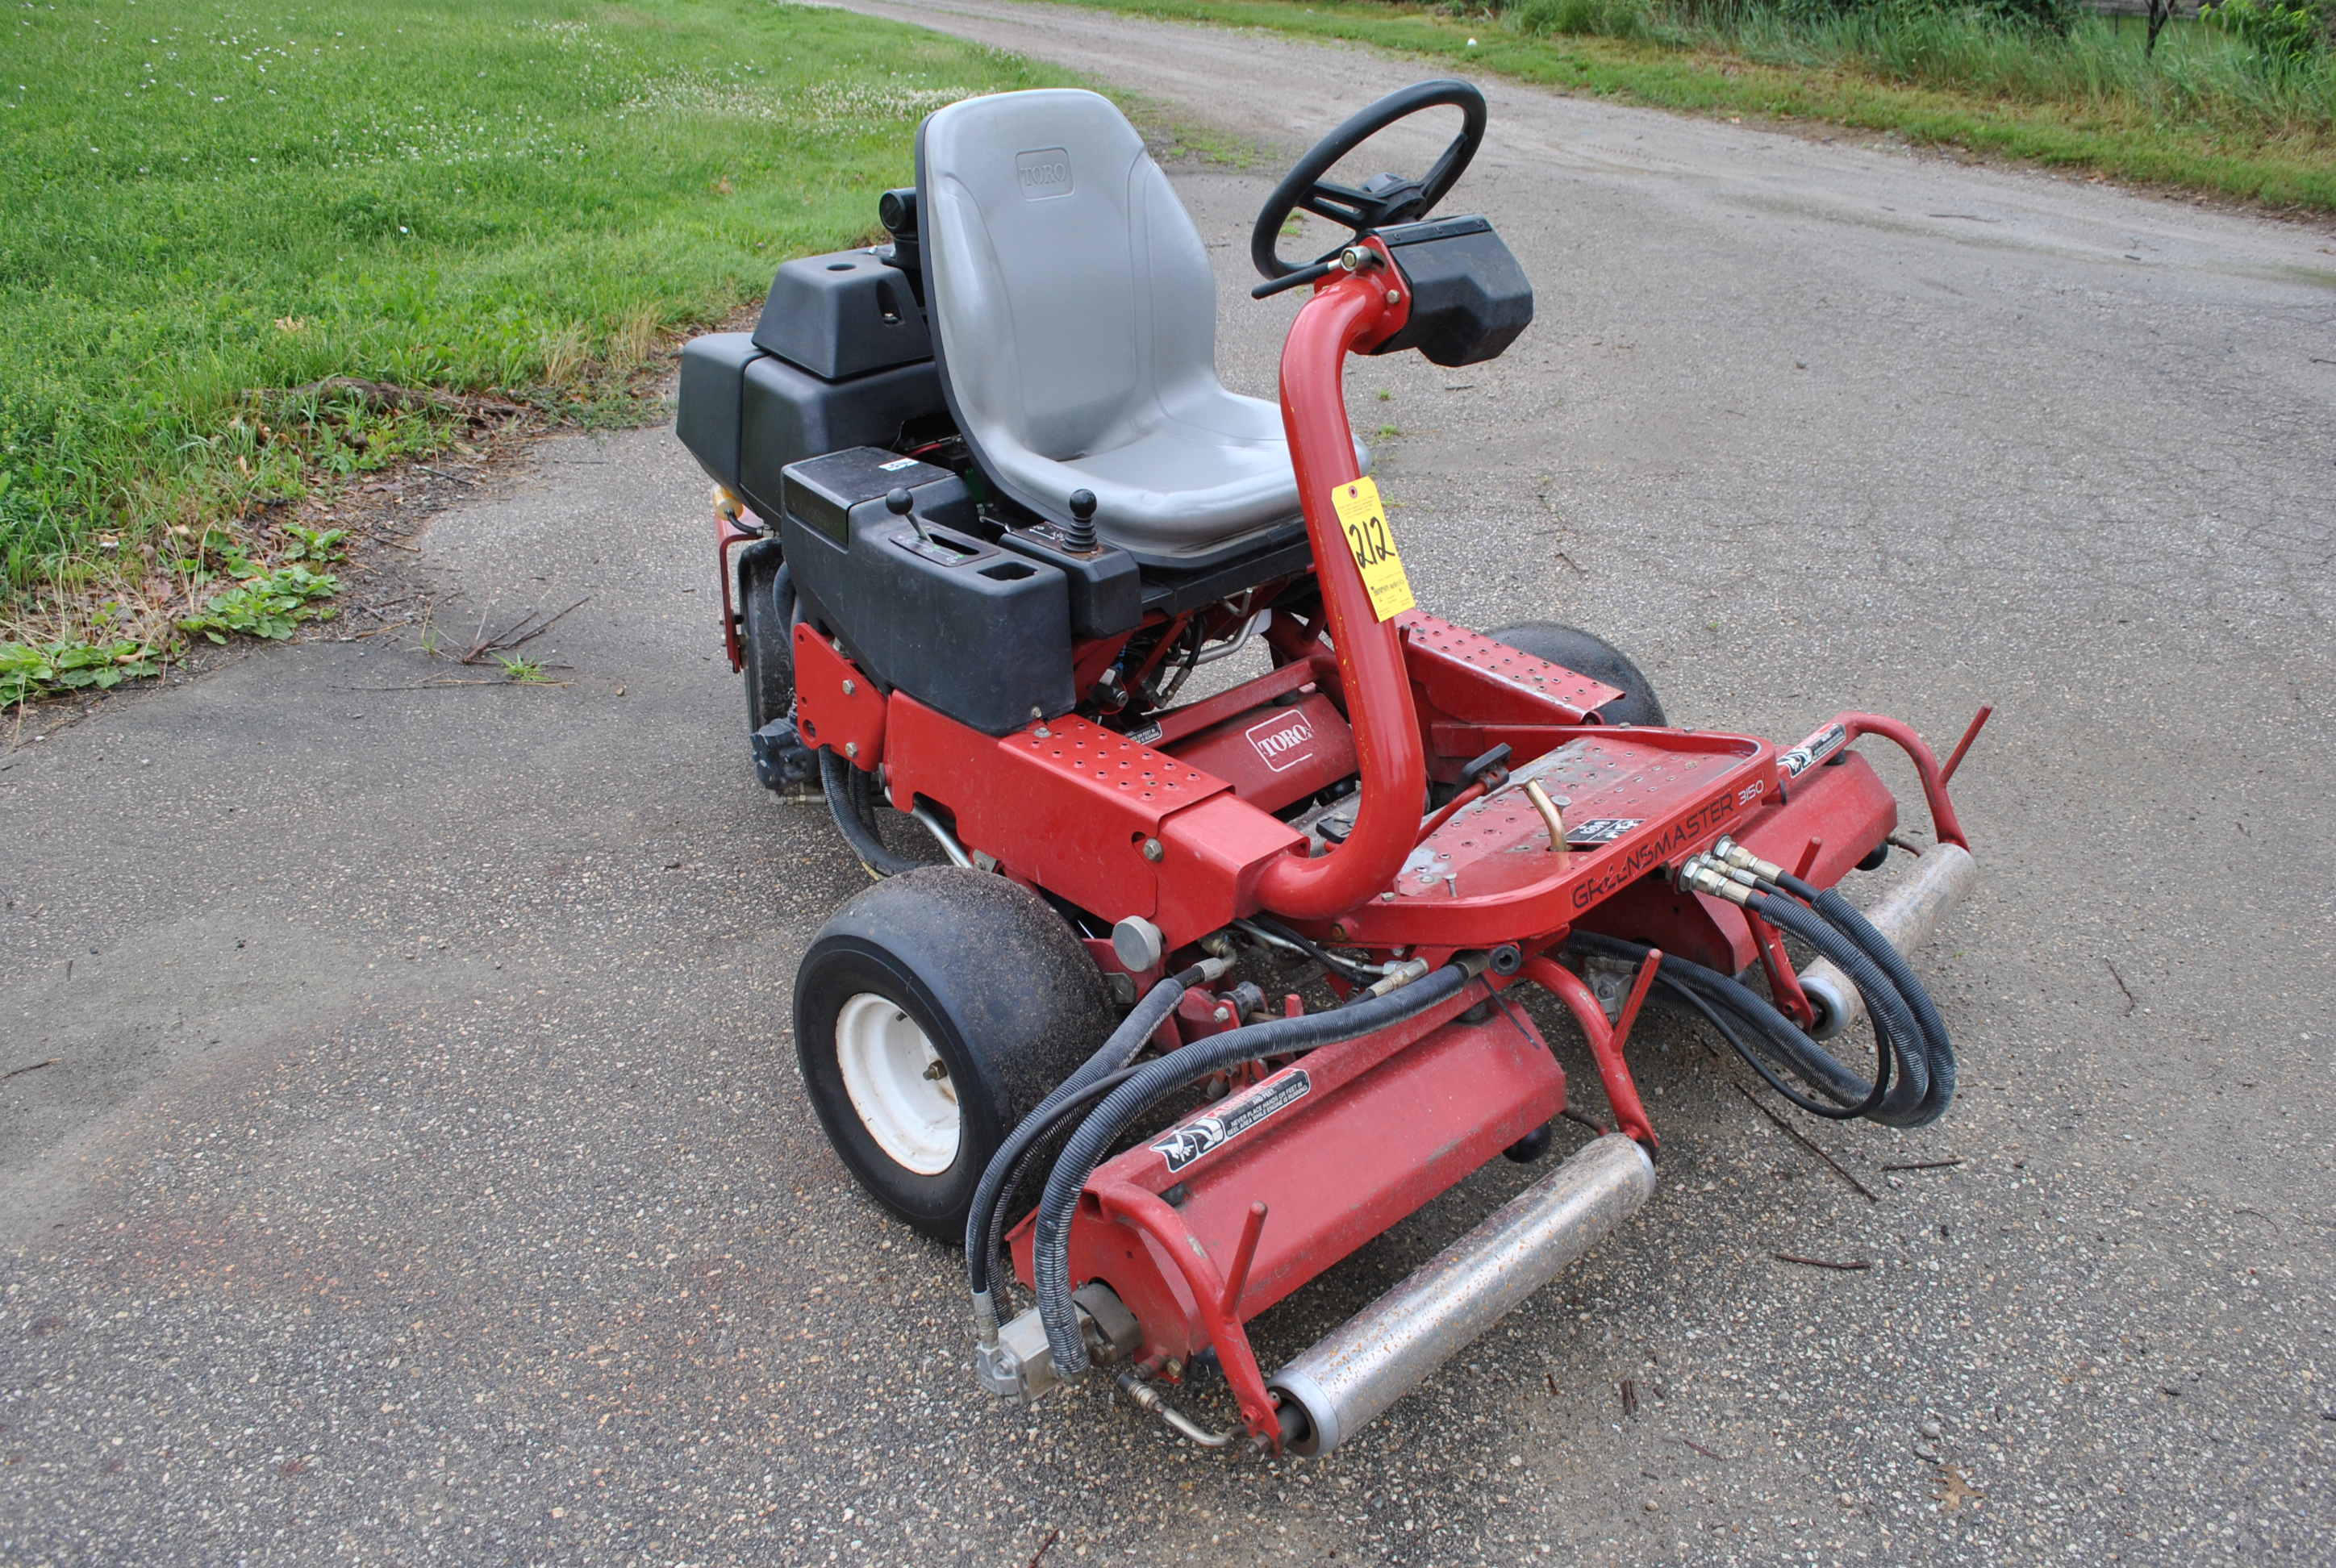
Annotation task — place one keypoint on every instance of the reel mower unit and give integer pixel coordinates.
(984, 511)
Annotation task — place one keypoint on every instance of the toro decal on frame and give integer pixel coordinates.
(1283, 741)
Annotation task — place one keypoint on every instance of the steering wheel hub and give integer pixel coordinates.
(1380, 200)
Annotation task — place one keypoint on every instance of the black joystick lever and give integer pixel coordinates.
(900, 503)
(1081, 535)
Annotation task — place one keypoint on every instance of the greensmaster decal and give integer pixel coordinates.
(1652, 852)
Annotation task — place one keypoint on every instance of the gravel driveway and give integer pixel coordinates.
(421, 1175)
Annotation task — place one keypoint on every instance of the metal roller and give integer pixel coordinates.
(1332, 1390)
(1907, 914)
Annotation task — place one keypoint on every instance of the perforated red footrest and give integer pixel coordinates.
(1477, 677)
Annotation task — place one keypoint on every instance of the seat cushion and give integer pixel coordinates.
(1075, 319)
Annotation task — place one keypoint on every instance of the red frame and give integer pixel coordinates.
(1122, 827)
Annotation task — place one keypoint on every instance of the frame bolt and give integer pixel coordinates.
(1393, 297)
(1155, 850)
(1339, 933)
(849, 689)
(852, 748)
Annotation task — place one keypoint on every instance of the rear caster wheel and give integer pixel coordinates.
(1594, 657)
(931, 1013)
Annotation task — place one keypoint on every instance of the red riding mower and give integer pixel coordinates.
(995, 509)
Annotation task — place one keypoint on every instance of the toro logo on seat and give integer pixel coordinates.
(1179, 1146)
(1284, 741)
(1044, 173)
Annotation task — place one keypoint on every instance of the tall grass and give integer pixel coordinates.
(2088, 64)
(206, 202)
(2204, 116)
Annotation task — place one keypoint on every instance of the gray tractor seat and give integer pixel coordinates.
(1075, 319)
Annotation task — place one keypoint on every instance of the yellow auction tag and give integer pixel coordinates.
(1364, 521)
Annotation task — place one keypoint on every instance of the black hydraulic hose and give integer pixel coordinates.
(999, 1178)
(1939, 1049)
(1894, 1020)
(1709, 993)
(837, 779)
(1839, 1112)
(1155, 1081)
(1000, 1294)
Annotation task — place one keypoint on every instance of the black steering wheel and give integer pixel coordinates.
(1384, 199)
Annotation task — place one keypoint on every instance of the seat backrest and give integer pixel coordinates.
(1071, 297)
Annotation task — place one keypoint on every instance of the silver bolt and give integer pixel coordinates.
(1224, 1015)
(1394, 298)
(852, 748)
(849, 689)
(1155, 850)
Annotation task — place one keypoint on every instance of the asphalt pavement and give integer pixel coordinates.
(419, 1171)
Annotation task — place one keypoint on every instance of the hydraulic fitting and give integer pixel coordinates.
(1736, 855)
(1147, 1397)
(1020, 1364)
(1699, 875)
(1402, 975)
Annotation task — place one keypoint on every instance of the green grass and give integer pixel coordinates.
(207, 204)
(2204, 115)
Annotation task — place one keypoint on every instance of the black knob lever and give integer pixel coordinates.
(1081, 534)
(900, 503)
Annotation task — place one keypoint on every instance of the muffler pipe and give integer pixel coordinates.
(1907, 914)
(1332, 1390)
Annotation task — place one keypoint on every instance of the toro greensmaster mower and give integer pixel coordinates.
(985, 508)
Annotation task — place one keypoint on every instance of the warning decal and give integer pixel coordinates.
(1179, 1146)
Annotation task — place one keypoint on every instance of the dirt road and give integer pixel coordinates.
(421, 1174)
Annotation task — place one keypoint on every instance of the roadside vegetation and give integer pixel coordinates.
(249, 252)
(2242, 103)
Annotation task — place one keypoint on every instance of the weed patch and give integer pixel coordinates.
(29, 669)
(270, 606)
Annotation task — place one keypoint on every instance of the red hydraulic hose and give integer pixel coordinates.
(1357, 309)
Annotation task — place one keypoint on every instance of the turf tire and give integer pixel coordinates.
(1007, 998)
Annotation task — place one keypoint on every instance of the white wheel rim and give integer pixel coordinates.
(897, 1084)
